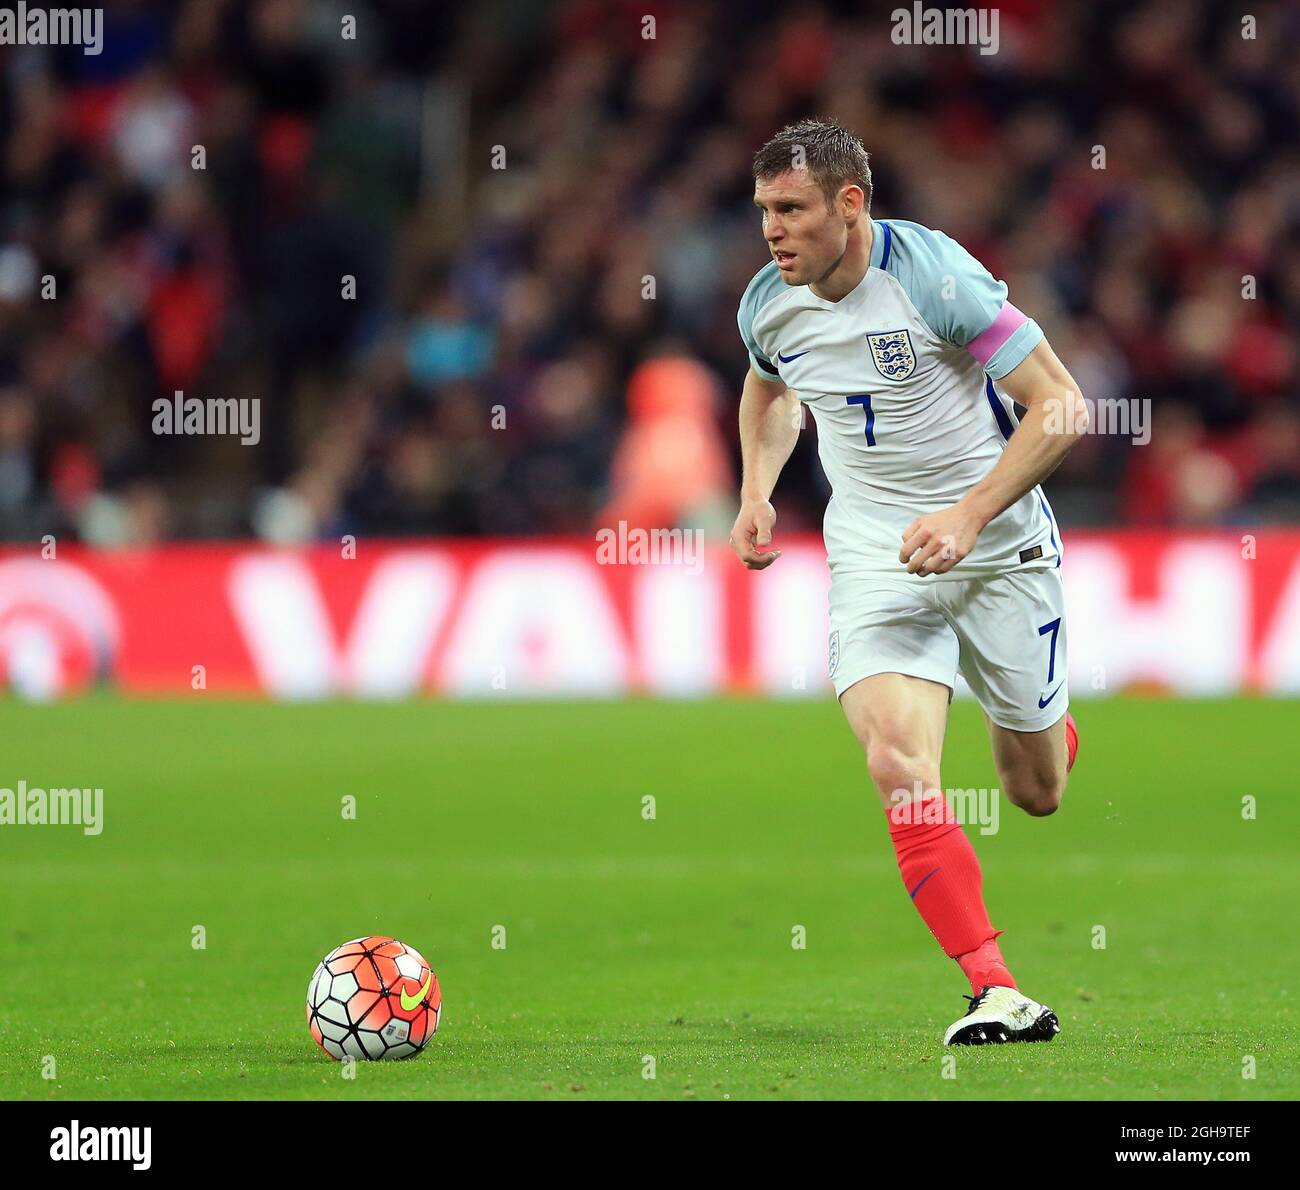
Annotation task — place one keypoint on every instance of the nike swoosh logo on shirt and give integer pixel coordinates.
(785, 359)
(1042, 702)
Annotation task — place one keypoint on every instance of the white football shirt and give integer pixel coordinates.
(899, 375)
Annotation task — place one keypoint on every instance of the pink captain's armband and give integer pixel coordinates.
(986, 344)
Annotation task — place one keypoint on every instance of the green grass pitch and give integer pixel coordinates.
(627, 937)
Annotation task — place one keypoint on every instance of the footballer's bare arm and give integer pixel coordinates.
(769, 428)
(1055, 418)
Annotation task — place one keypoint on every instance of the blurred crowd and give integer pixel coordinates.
(480, 263)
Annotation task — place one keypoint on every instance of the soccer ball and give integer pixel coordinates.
(373, 998)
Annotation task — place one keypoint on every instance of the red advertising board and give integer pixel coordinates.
(1189, 614)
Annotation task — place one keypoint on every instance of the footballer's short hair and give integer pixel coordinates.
(832, 155)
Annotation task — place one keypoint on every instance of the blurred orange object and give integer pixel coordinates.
(671, 463)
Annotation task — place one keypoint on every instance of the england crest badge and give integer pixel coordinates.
(892, 351)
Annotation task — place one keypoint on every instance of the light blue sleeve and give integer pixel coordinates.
(765, 285)
(959, 298)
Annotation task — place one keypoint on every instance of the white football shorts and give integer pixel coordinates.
(1004, 633)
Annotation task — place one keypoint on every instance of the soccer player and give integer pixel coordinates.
(943, 550)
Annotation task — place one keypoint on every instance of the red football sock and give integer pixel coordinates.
(985, 967)
(1071, 741)
(942, 875)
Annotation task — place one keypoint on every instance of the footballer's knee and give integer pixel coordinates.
(896, 768)
(1037, 794)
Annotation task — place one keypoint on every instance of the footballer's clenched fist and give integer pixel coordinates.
(752, 532)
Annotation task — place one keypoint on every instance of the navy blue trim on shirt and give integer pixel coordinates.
(999, 412)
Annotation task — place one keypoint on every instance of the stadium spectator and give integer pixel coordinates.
(1130, 170)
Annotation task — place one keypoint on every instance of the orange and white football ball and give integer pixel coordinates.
(373, 998)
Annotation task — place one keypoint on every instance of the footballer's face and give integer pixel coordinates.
(807, 241)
